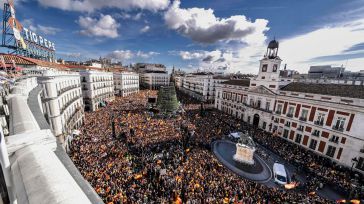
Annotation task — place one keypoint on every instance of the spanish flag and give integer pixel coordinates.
(178, 200)
(138, 176)
(226, 200)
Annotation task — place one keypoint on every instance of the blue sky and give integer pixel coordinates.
(226, 35)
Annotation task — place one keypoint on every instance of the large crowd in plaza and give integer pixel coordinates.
(148, 160)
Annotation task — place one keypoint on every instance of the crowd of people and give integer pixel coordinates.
(147, 160)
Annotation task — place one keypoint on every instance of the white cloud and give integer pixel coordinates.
(146, 54)
(47, 30)
(145, 29)
(128, 54)
(201, 25)
(92, 5)
(105, 26)
(326, 45)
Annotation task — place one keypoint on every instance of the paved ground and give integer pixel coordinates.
(327, 192)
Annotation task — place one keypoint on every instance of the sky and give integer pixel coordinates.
(222, 35)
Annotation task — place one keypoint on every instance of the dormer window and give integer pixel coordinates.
(264, 68)
(275, 67)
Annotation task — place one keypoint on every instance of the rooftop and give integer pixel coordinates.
(342, 90)
(241, 82)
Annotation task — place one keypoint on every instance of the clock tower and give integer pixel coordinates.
(269, 69)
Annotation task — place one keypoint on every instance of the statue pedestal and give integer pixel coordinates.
(244, 154)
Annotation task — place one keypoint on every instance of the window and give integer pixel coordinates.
(300, 128)
(331, 151)
(339, 125)
(304, 115)
(264, 125)
(279, 109)
(285, 133)
(267, 105)
(360, 164)
(275, 67)
(334, 139)
(290, 111)
(298, 138)
(264, 67)
(313, 144)
(288, 124)
(320, 119)
(316, 133)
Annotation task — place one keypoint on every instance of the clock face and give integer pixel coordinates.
(264, 67)
(275, 67)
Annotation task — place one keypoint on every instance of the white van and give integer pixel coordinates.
(280, 174)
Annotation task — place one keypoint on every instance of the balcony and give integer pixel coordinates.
(290, 115)
(276, 120)
(69, 103)
(278, 112)
(61, 91)
(333, 140)
(287, 124)
(317, 134)
(72, 119)
(300, 129)
(338, 128)
(303, 119)
(320, 123)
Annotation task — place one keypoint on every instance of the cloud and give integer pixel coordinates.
(105, 26)
(334, 44)
(145, 29)
(128, 54)
(146, 54)
(92, 5)
(47, 30)
(201, 25)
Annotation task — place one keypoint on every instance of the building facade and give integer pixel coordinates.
(201, 86)
(97, 89)
(62, 102)
(324, 118)
(154, 79)
(126, 83)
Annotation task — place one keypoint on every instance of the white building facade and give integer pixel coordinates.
(97, 89)
(324, 118)
(154, 79)
(126, 83)
(62, 101)
(201, 86)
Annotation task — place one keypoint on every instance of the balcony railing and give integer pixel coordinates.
(290, 115)
(67, 89)
(276, 120)
(287, 125)
(320, 123)
(317, 134)
(302, 119)
(336, 141)
(278, 112)
(69, 103)
(72, 118)
(300, 129)
(338, 128)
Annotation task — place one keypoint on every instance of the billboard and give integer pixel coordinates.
(23, 40)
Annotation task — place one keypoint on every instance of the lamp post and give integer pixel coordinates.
(112, 118)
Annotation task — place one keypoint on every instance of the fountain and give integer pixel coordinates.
(245, 149)
(241, 158)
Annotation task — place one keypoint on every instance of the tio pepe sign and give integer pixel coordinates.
(37, 39)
